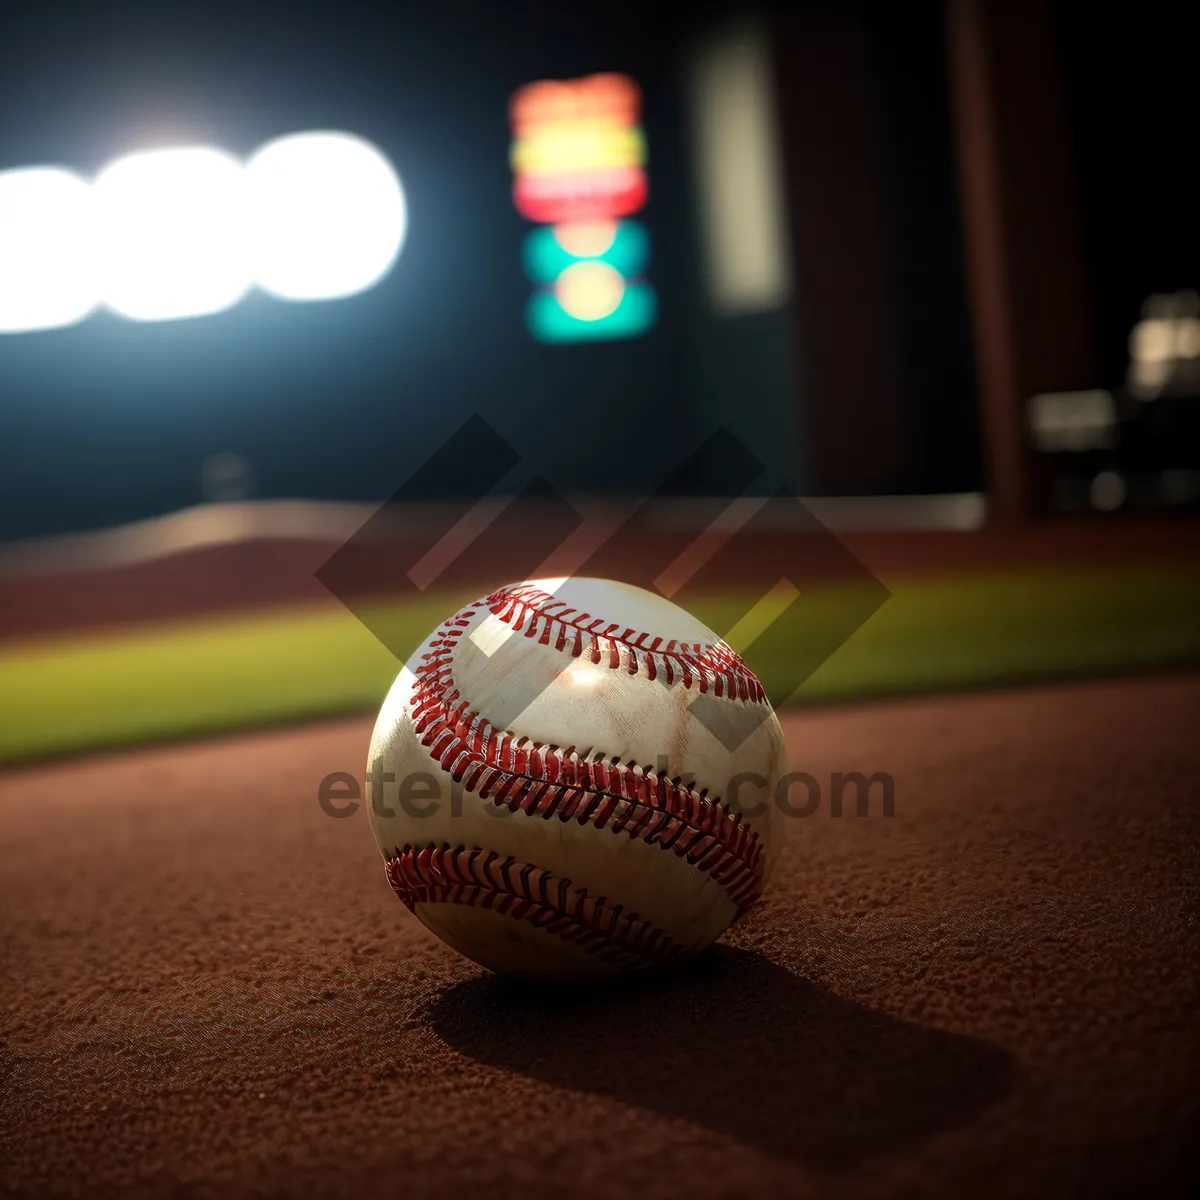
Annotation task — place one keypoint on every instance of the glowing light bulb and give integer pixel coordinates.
(170, 233)
(586, 239)
(328, 216)
(46, 269)
(590, 291)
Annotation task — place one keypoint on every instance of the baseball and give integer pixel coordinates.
(573, 779)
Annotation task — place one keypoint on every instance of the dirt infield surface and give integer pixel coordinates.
(210, 989)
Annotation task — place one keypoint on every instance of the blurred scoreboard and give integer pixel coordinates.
(579, 173)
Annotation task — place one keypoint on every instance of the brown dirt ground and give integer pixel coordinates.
(210, 990)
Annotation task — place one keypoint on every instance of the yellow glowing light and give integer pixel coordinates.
(1150, 374)
(581, 146)
(586, 239)
(1152, 341)
(1187, 337)
(589, 291)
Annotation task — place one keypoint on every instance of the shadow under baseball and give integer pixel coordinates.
(741, 1046)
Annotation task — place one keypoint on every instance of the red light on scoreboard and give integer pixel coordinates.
(580, 196)
(613, 99)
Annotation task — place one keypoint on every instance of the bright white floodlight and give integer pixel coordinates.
(171, 233)
(46, 277)
(328, 215)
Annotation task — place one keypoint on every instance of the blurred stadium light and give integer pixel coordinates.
(328, 216)
(1164, 347)
(186, 231)
(739, 174)
(171, 236)
(1073, 421)
(47, 278)
(1134, 447)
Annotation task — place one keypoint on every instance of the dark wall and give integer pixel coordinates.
(1130, 74)
(927, 292)
(882, 333)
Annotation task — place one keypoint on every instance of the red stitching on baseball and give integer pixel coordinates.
(547, 781)
(709, 667)
(442, 874)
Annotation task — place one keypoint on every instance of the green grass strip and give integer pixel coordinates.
(121, 687)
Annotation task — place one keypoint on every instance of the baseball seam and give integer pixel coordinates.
(456, 875)
(544, 780)
(713, 667)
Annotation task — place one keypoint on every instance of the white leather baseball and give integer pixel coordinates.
(545, 801)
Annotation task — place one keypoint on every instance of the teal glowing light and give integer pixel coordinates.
(636, 313)
(546, 258)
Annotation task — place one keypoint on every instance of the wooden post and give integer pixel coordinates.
(1030, 312)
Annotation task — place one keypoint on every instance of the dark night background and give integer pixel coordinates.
(109, 421)
(1129, 75)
